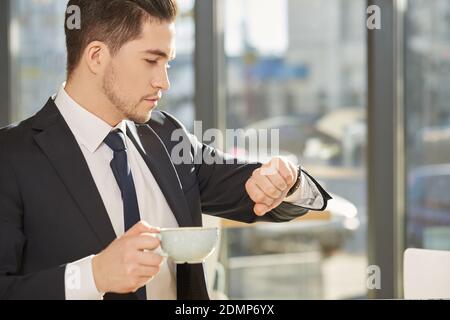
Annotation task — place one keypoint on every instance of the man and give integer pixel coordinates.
(84, 180)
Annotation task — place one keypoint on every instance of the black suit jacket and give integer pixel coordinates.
(51, 212)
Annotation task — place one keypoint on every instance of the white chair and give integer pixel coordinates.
(426, 274)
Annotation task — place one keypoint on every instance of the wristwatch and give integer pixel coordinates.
(297, 183)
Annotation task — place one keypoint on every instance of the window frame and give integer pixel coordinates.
(5, 63)
(386, 149)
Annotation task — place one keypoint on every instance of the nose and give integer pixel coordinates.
(161, 80)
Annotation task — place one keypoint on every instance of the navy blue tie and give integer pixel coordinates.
(124, 178)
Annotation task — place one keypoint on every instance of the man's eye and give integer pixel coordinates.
(153, 62)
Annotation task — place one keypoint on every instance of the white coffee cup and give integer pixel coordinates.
(188, 245)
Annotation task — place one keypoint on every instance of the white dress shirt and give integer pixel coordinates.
(90, 132)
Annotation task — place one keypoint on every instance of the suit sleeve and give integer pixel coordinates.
(222, 179)
(46, 284)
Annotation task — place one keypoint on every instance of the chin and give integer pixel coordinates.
(141, 118)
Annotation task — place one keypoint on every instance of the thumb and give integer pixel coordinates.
(261, 209)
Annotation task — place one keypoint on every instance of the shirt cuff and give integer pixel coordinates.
(307, 196)
(79, 281)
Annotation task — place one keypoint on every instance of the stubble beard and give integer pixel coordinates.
(125, 106)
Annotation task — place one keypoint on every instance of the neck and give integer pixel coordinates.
(93, 100)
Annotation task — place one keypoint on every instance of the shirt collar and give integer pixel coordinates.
(88, 129)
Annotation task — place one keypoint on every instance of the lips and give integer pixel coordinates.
(153, 102)
(153, 99)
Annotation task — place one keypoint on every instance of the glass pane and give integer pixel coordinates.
(299, 66)
(38, 54)
(428, 124)
(179, 101)
(39, 58)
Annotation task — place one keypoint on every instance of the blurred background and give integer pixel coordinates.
(367, 112)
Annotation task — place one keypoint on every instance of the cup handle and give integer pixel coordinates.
(157, 235)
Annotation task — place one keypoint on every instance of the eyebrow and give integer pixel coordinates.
(160, 53)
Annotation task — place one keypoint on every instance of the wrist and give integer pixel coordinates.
(97, 274)
(297, 183)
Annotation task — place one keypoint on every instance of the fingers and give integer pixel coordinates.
(256, 194)
(266, 185)
(150, 259)
(147, 272)
(280, 168)
(145, 241)
(263, 203)
(272, 186)
(278, 181)
(139, 228)
(141, 282)
(294, 173)
(269, 184)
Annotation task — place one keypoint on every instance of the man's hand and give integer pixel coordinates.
(270, 184)
(129, 262)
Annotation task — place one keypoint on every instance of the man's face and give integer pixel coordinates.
(137, 75)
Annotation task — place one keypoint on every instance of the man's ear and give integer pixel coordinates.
(96, 57)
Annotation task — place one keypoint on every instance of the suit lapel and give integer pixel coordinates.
(58, 143)
(158, 161)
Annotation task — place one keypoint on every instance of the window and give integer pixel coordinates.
(428, 124)
(299, 66)
(179, 100)
(38, 56)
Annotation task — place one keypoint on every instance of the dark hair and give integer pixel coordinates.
(114, 22)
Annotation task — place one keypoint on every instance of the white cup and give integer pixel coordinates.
(188, 245)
